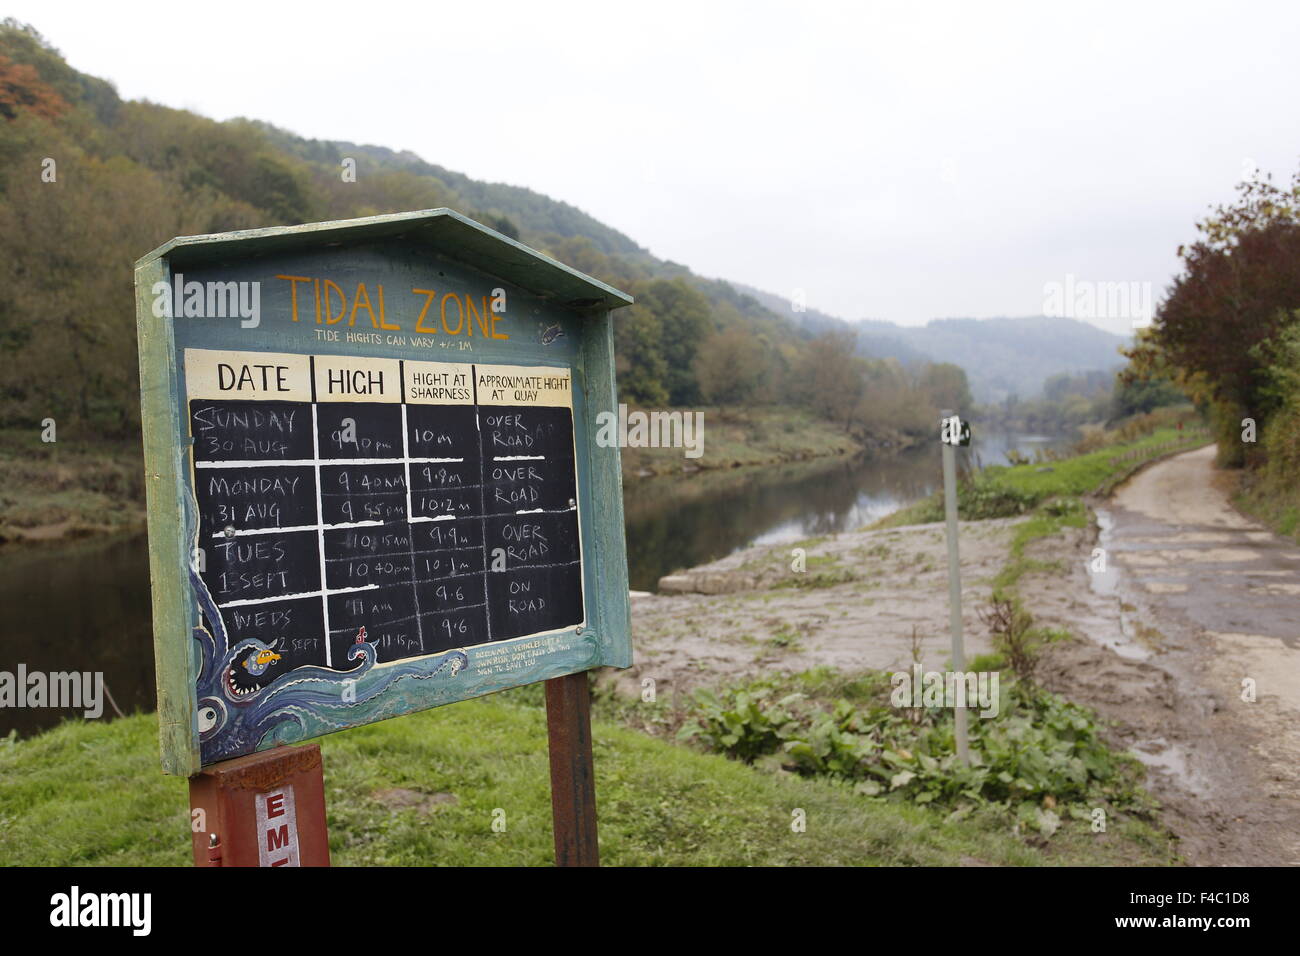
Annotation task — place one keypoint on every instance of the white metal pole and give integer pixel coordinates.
(954, 580)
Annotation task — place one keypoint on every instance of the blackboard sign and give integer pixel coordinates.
(377, 489)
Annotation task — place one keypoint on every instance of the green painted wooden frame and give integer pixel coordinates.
(583, 303)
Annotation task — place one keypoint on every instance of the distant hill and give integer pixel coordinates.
(1002, 357)
(132, 174)
(1005, 357)
(531, 211)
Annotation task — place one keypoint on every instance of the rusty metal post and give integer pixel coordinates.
(266, 809)
(573, 780)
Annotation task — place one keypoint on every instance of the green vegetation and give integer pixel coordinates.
(1003, 491)
(1268, 489)
(132, 175)
(660, 803)
(1039, 765)
(1272, 501)
(740, 437)
(786, 638)
(68, 487)
(1038, 526)
(1228, 333)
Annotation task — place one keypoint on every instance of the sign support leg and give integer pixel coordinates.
(573, 780)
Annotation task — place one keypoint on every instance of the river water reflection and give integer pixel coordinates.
(675, 523)
(85, 605)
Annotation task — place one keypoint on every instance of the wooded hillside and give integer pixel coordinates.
(89, 182)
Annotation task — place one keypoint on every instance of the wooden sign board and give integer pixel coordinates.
(373, 480)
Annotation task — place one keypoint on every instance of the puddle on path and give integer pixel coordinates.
(1106, 584)
(1158, 754)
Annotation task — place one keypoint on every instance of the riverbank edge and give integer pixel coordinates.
(1058, 852)
(1039, 540)
(739, 438)
(54, 497)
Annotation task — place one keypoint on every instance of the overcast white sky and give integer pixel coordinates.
(897, 161)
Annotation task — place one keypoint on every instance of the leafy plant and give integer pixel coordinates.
(744, 722)
(1041, 760)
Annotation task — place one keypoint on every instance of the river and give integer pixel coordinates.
(88, 602)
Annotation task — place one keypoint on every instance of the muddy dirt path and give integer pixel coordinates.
(1209, 609)
(1194, 599)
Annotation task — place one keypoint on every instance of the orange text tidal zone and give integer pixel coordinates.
(428, 312)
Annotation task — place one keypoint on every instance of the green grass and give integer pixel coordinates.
(1038, 526)
(1033, 484)
(90, 793)
(1271, 499)
(735, 437)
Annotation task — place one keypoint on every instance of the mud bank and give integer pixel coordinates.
(854, 606)
(1161, 641)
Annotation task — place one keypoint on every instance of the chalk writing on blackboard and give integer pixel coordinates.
(434, 505)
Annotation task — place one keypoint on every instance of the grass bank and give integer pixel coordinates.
(1001, 491)
(1274, 504)
(744, 437)
(424, 790)
(85, 484)
(73, 486)
(1265, 488)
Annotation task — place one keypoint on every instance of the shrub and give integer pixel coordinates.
(743, 722)
(1011, 628)
(987, 498)
(1040, 758)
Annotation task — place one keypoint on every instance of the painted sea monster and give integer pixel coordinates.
(249, 673)
(244, 705)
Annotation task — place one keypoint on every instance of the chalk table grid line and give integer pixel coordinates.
(407, 520)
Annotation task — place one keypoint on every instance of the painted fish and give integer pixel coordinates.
(551, 334)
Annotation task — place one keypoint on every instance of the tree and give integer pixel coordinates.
(1239, 282)
(21, 88)
(684, 321)
(830, 378)
(946, 386)
(638, 363)
(731, 366)
(1136, 396)
(67, 306)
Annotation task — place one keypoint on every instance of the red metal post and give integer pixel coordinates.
(266, 809)
(573, 780)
